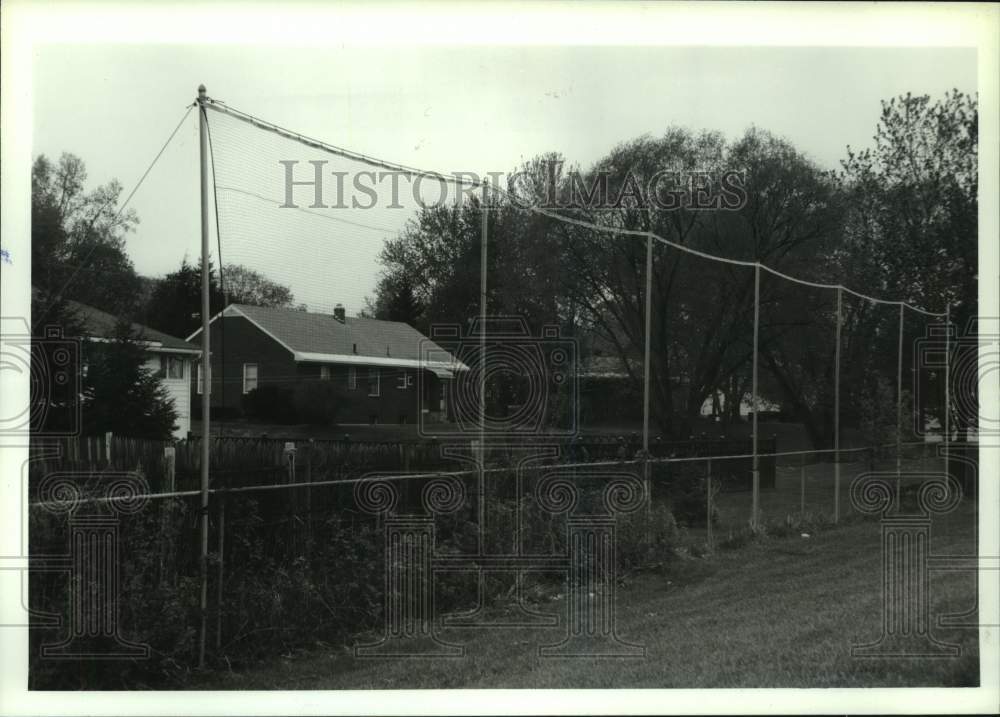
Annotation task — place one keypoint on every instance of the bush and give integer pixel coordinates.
(271, 404)
(317, 402)
(286, 586)
(157, 605)
(685, 491)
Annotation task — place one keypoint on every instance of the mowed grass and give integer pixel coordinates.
(778, 612)
(811, 486)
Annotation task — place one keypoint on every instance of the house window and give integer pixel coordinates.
(373, 382)
(201, 381)
(171, 367)
(249, 377)
(324, 373)
(405, 381)
(352, 378)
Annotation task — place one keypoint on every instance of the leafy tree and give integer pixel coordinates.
(702, 310)
(396, 301)
(77, 237)
(121, 394)
(912, 230)
(175, 303)
(243, 285)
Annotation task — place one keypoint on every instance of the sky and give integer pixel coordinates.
(440, 108)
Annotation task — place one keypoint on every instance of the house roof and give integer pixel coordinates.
(102, 325)
(323, 338)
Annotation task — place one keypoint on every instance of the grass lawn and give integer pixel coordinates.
(779, 612)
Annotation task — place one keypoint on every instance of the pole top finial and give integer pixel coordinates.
(201, 91)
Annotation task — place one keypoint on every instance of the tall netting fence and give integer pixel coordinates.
(797, 395)
(565, 367)
(793, 386)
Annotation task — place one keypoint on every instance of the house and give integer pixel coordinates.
(171, 358)
(379, 368)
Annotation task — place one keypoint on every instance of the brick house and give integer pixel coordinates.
(375, 365)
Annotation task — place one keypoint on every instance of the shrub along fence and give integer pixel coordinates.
(293, 557)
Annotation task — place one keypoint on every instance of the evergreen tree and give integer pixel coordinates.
(121, 394)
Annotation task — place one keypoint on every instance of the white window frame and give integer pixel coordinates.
(374, 373)
(165, 364)
(201, 379)
(405, 381)
(324, 373)
(352, 378)
(256, 377)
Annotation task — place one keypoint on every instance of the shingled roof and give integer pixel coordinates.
(102, 325)
(324, 338)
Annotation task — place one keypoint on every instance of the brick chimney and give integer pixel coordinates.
(339, 314)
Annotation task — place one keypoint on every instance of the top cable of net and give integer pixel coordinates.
(259, 123)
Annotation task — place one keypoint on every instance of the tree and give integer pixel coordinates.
(702, 310)
(77, 237)
(121, 394)
(175, 303)
(396, 301)
(431, 276)
(912, 230)
(243, 285)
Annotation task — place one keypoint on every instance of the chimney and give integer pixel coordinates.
(339, 314)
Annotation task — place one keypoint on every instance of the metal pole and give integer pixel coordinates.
(482, 360)
(206, 371)
(646, 374)
(836, 414)
(947, 384)
(756, 339)
(899, 407)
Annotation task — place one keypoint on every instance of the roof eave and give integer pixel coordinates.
(315, 357)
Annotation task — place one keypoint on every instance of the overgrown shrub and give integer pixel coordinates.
(287, 582)
(271, 403)
(317, 402)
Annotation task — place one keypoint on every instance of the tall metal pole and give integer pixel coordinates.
(482, 363)
(836, 413)
(646, 374)
(756, 339)
(206, 371)
(899, 407)
(947, 384)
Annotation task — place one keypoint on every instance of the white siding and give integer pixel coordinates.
(179, 389)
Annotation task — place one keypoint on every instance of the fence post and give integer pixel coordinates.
(802, 484)
(289, 456)
(404, 461)
(166, 513)
(710, 538)
(309, 479)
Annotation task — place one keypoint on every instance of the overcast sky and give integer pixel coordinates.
(446, 109)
